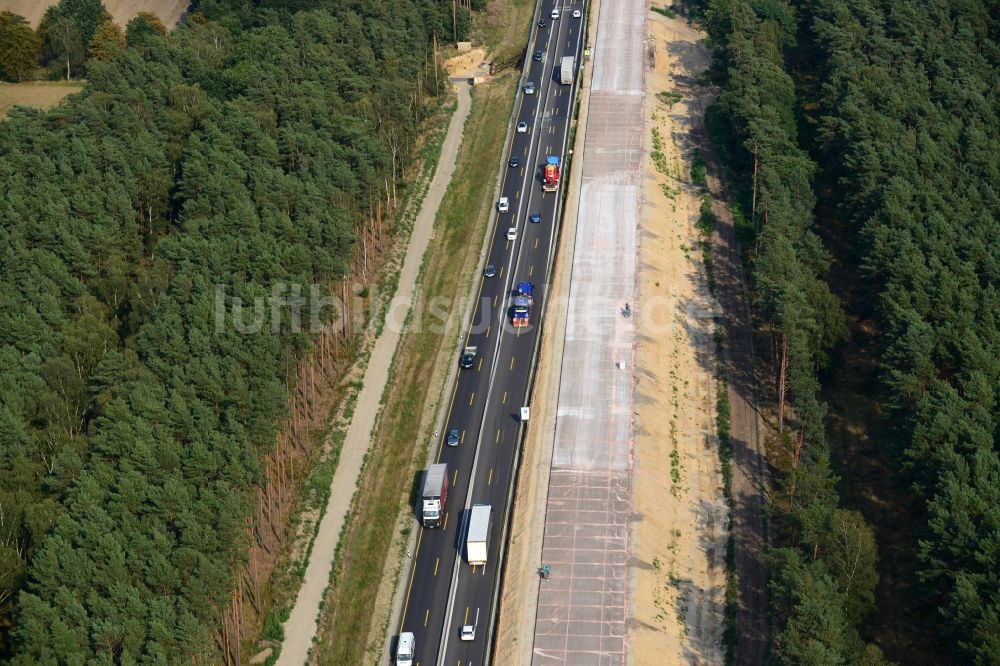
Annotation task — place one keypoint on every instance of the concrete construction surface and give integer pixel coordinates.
(582, 607)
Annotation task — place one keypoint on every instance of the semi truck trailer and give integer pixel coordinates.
(435, 494)
(477, 543)
(567, 70)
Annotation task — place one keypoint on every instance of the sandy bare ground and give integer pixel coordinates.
(680, 531)
(300, 628)
(465, 64)
(169, 11)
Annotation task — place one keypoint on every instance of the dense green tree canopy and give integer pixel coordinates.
(911, 124)
(237, 153)
(907, 99)
(20, 48)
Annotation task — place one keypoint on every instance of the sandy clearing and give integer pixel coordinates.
(169, 11)
(679, 536)
(466, 64)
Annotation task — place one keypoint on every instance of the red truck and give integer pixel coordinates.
(550, 174)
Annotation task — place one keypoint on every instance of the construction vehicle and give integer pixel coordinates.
(477, 542)
(468, 358)
(550, 174)
(435, 494)
(567, 70)
(523, 300)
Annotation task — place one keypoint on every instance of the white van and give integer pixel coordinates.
(554, 14)
(405, 649)
(503, 205)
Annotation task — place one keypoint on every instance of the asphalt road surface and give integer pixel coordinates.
(444, 592)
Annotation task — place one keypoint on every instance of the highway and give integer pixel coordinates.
(443, 591)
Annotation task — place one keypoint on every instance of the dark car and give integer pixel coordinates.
(535, 218)
(491, 271)
(453, 437)
(541, 23)
(538, 55)
(514, 163)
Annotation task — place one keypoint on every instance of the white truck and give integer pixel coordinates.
(477, 542)
(405, 649)
(567, 70)
(435, 495)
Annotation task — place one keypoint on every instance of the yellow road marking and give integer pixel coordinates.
(504, 401)
(455, 479)
(437, 562)
(413, 572)
(471, 398)
(498, 435)
(480, 366)
(531, 269)
(511, 362)
(536, 242)
(489, 481)
(427, 614)
(466, 620)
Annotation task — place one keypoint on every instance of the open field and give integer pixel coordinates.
(169, 11)
(37, 94)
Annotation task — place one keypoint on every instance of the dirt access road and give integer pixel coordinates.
(749, 472)
(300, 628)
(169, 11)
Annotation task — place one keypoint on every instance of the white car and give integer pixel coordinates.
(522, 127)
(576, 13)
(512, 234)
(503, 205)
(554, 14)
(468, 632)
(529, 88)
